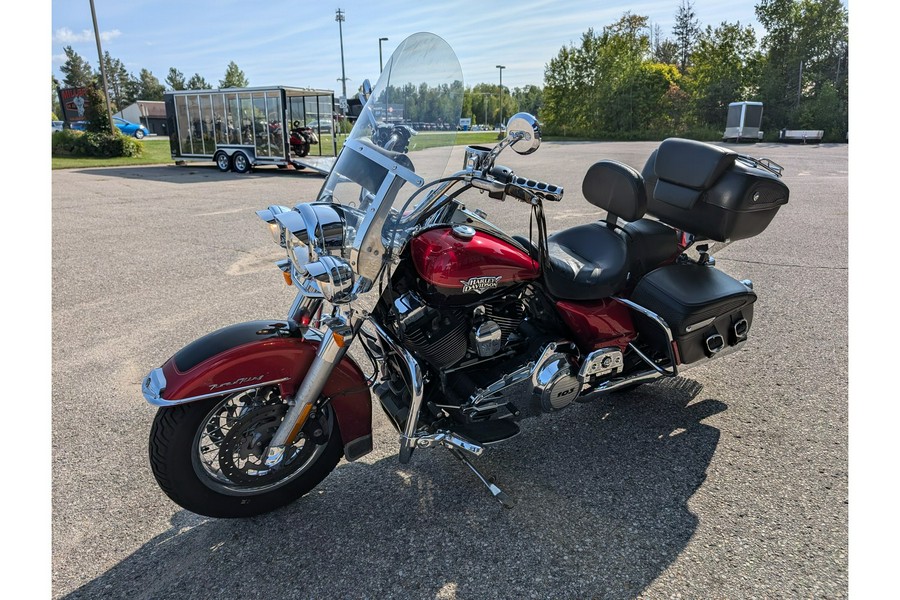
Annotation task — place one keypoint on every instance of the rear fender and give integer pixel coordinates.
(262, 353)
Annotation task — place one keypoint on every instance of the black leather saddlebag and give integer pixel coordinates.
(708, 191)
(707, 310)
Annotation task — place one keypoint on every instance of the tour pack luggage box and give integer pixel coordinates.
(710, 191)
(706, 309)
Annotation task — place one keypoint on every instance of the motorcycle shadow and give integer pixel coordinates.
(601, 493)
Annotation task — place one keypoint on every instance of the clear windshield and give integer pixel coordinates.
(401, 141)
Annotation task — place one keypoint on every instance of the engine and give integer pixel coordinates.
(447, 336)
(494, 363)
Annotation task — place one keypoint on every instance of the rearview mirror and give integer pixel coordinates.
(524, 133)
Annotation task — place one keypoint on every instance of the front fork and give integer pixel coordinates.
(340, 330)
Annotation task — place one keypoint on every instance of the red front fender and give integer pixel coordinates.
(257, 353)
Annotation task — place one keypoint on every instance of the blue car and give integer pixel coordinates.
(126, 127)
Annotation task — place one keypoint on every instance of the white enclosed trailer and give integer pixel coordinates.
(743, 122)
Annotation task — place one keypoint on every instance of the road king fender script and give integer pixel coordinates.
(256, 353)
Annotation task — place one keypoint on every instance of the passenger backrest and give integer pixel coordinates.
(616, 188)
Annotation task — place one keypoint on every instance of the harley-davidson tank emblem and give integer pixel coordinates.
(479, 284)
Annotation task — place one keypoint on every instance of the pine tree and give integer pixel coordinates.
(175, 79)
(77, 71)
(686, 31)
(234, 77)
(197, 82)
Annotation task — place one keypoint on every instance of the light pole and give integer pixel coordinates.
(112, 127)
(380, 65)
(501, 67)
(339, 17)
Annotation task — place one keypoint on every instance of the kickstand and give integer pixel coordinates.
(496, 492)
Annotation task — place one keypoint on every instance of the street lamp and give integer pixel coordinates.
(339, 17)
(501, 67)
(380, 65)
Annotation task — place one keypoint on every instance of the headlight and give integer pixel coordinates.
(335, 278)
(275, 228)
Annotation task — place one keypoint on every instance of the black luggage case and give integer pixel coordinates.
(710, 191)
(707, 310)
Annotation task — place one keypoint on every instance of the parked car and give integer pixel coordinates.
(57, 125)
(126, 127)
(321, 126)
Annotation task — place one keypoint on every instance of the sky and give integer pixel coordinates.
(298, 43)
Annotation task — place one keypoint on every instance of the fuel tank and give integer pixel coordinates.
(459, 265)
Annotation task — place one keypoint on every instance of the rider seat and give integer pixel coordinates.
(596, 260)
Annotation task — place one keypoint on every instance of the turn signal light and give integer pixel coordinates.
(287, 277)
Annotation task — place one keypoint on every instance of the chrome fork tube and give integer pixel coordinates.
(338, 336)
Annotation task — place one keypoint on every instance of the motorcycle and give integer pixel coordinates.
(301, 139)
(468, 330)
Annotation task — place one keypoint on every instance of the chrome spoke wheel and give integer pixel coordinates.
(229, 448)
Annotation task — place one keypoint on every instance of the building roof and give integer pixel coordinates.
(151, 108)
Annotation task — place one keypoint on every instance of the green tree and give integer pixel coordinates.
(55, 106)
(95, 110)
(77, 71)
(175, 79)
(197, 82)
(665, 50)
(148, 87)
(234, 77)
(529, 99)
(686, 32)
(726, 64)
(118, 80)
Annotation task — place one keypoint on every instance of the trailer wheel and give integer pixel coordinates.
(240, 163)
(223, 162)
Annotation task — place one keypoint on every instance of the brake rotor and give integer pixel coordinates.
(242, 452)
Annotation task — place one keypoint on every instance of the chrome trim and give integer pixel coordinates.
(719, 348)
(417, 391)
(153, 386)
(162, 402)
(670, 339)
(699, 324)
(593, 363)
(383, 161)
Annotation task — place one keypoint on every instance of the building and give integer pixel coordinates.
(150, 113)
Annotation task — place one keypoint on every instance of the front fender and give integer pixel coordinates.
(262, 353)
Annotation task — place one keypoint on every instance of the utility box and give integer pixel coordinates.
(743, 122)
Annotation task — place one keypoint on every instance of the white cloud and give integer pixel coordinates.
(64, 35)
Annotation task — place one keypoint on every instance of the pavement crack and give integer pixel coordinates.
(771, 264)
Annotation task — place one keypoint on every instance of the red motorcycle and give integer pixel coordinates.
(468, 330)
(301, 139)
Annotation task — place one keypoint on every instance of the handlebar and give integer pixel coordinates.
(520, 187)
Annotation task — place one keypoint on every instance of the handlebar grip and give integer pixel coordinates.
(545, 191)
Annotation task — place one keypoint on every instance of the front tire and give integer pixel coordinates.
(207, 456)
(139, 133)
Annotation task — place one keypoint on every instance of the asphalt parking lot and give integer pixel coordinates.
(727, 482)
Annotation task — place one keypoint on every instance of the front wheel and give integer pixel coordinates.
(209, 456)
(139, 133)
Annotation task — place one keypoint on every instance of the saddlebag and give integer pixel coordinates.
(710, 192)
(707, 310)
